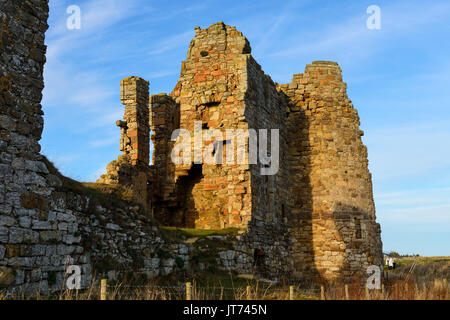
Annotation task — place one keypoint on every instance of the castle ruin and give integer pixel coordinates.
(313, 219)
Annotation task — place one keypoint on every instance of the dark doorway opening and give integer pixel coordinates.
(187, 214)
(259, 259)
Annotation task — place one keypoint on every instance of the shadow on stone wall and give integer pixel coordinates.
(187, 214)
(326, 246)
(300, 209)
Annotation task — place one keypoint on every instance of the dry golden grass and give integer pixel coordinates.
(423, 279)
(394, 290)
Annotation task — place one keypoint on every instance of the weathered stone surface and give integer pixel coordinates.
(318, 204)
(314, 217)
(2, 252)
(7, 276)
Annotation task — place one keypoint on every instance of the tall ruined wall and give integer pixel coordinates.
(47, 221)
(23, 182)
(333, 214)
(134, 94)
(222, 86)
(265, 108)
(131, 169)
(164, 119)
(211, 89)
(21, 65)
(267, 237)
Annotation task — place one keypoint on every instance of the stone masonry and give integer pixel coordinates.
(332, 201)
(313, 219)
(321, 195)
(131, 169)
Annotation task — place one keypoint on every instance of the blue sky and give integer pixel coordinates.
(398, 78)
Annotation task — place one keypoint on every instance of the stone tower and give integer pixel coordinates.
(223, 88)
(135, 127)
(332, 208)
(132, 169)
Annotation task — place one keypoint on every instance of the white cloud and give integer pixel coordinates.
(423, 210)
(63, 162)
(64, 79)
(172, 42)
(279, 20)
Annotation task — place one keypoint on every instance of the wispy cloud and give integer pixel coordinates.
(104, 142)
(94, 176)
(64, 163)
(174, 41)
(415, 206)
(280, 19)
(96, 17)
(350, 39)
(413, 197)
(161, 74)
(427, 214)
(408, 151)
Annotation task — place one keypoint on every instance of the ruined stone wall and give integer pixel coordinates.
(47, 221)
(266, 109)
(23, 181)
(131, 170)
(333, 215)
(164, 119)
(225, 88)
(212, 90)
(134, 94)
(266, 242)
(22, 28)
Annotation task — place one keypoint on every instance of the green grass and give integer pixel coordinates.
(422, 260)
(175, 234)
